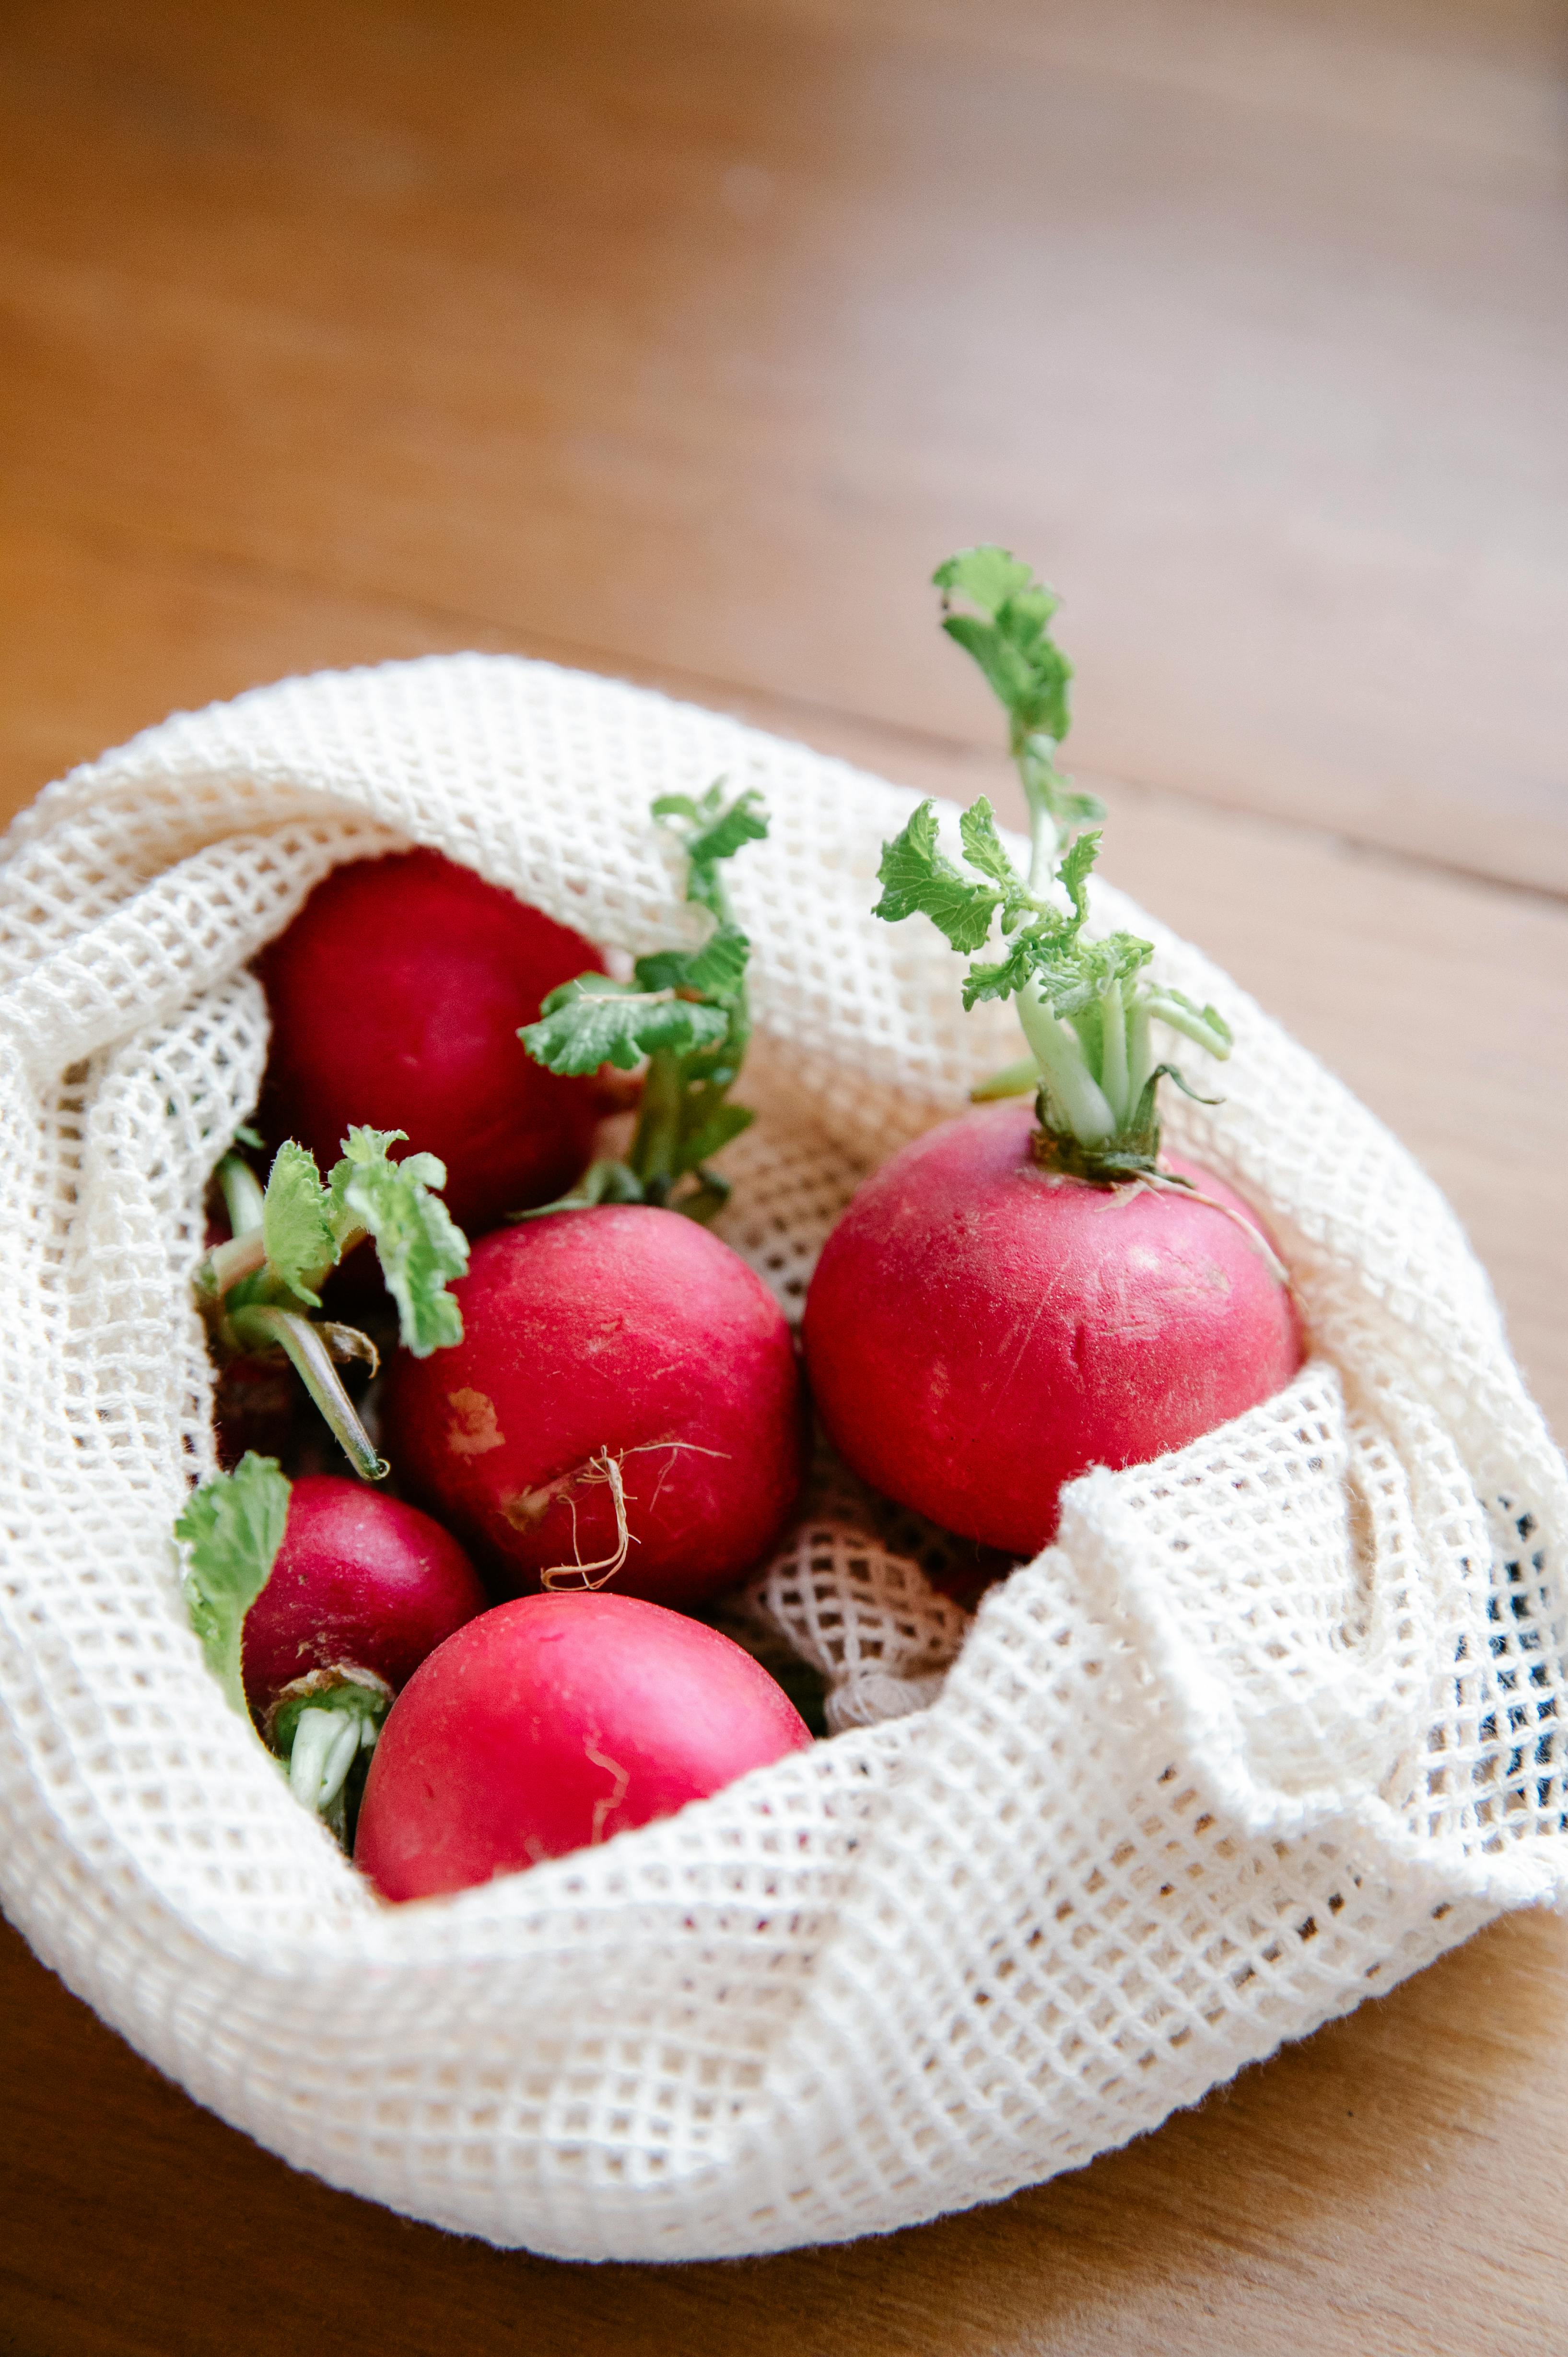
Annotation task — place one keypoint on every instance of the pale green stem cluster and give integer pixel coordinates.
(1094, 1070)
(326, 1744)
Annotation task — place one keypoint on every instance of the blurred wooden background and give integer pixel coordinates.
(681, 342)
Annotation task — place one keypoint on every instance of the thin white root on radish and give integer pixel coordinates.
(601, 1466)
(578, 1576)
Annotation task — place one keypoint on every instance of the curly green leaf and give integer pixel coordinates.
(918, 879)
(233, 1528)
(298, 1229)
(418, 1244)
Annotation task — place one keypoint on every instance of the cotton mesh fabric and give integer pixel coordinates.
(1276, 1719)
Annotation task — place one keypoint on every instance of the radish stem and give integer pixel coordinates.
(242, 1194)
(686, 1012)
(257, 1327)
(325, 1745)
(241, 1256)
(1085, 1004)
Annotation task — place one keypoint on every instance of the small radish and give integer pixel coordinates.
(551, 1724)
(315, 1607)
(1015, 1298)
(257, 1289)
(625, 1404)
(396, 997)
(980, 1330)
(361, 1582)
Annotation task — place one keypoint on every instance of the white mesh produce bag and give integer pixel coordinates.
(1276, 1720)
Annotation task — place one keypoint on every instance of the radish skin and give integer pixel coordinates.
(360, 1581)
(396, 996)
(621, 1349)
(979, 1330)
(551, 1724)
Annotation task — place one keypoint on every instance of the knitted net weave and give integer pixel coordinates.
(1276, 1720)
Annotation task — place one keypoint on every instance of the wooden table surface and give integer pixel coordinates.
(681, 342)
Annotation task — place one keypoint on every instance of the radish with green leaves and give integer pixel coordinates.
(257, 1289)
(314, 1607)
(396, 996)
(625, 1404)
(551, 1724)
(1018, 1295)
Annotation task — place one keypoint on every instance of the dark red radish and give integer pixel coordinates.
(1016, 1297)
(312, 1609)
(980, 1330)
(625, 1399)
(553, 1723)
(360, 1581)
(396, 997)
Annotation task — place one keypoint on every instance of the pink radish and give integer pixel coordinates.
(624, 1404)
(551, 1724)
(979, 1330)
(1017, 1296)
(361, 1582)
(312, 1609)
(396, 997)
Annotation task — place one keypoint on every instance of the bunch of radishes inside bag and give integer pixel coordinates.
(540, 1418)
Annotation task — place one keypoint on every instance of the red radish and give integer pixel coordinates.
(360, 1581)
(311, 1607)
(396, 997)
(980, 1330)
(550, 1725)
(625, 1399)
(1014, 1298)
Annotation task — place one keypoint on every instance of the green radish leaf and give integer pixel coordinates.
(1001, 980)
(592, 985)
(586, 1032)
(233, 1527)
(1073, 808)
(987, 576)
(1165, 1000)
(601, 1182)
(982, 847)
(918, 879)
(296, 1223)
(1074, 872)
(660, 970)
(723, 1124)
(721, 832)
(729, 832)
(420, 1246)
(1010, 638)
(685, 1014)
(718, 968)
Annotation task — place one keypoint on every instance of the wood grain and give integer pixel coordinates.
(696, 335)
(1395, 2186)
(679, 343)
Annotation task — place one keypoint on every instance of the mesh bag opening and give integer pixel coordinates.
(1275, 1721)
